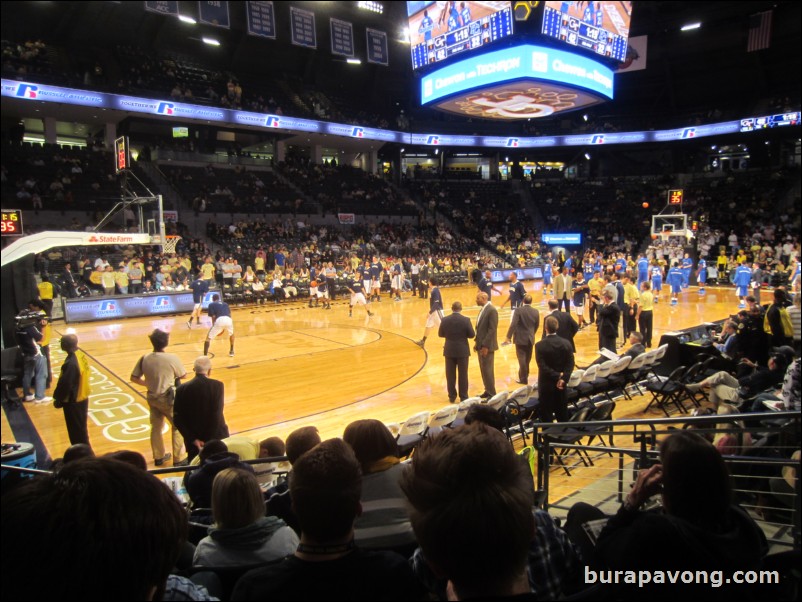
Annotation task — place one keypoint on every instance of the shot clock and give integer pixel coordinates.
(12, 223)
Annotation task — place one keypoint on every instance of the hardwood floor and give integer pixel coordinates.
(297, 366)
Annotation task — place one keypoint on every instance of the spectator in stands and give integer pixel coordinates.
(326, 485)
(279, 501)
(72, 522)
(214, 457)
(384, 522)
(774, 316)
(725, 387)
(687, 535)
(241, 534)
(471, 508)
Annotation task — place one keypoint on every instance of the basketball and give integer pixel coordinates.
(654, 236)
(645, 205)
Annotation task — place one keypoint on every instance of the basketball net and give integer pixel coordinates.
(170, 243)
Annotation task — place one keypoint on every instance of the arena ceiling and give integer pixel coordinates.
(691, 71)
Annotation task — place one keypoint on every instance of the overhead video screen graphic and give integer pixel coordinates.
(522, 82)
(439, 30)
(600, 27)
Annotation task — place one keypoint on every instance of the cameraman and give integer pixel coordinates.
(29, 333)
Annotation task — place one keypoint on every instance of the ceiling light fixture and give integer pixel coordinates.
(375, 7)
(187, 19)
(690, 26)
(210, 41)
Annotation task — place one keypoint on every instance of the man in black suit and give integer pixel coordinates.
(487, 343)
(609, 315)
(522, 330)
(568, 327)
(198, 408)
(456, 329)
(555, 362)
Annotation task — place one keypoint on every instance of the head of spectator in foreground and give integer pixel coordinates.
(202, 365)
(692, 465)
(301, 441)
(456, 307)
(134, 458)
(551, 325)
(71, 520)
(470, 502)
(237, 500)
(479, 412)
(211, 448)
(325, 486)
(373, 444)
(79, 451)
(159, 339)
(272, 447)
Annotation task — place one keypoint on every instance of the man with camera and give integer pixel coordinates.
(30, 326)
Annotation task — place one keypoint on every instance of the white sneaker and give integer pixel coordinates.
(29, 398)
(43, 400)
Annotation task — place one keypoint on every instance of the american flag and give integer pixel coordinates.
(759, 31)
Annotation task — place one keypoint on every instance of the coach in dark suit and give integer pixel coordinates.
(567, 326)
(456, 329)
(487, 342)
(609, 315)
(555, 362)
(198, 409)
(522, 330)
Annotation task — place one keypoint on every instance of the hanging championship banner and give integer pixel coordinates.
(165, 8)
(302, 28)
(214, 12)
(261, 19)
(377, 47)
(342, 37)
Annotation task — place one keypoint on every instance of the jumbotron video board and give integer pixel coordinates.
(439, 30)
(598, 27)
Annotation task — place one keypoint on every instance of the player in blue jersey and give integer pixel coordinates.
(364, 273)
(620, 265)
(376, 270)
(453, 19)
(220, 313)
(435, 311)
(599, 16)
(657, 281)
(199, 288)
(643, 269)
(464, 14)
(701, 274)
(687, 268)
(548, 286)
(485, 285)
(357, 294)
(742, 280)
(517, 292)
(426, 26)
(674, 280)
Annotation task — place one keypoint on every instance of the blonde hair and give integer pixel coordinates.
(237, 500)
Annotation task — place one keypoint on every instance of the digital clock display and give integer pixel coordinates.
(12, 223)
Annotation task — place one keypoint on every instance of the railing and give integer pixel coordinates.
(601, 474)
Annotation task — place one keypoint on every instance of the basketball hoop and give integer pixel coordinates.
(170, 243)
(665, 235)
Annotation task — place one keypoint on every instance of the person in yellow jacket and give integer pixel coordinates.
(46, 293)
(72, 390)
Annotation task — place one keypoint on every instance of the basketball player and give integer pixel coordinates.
(435, 311)
(199, 288)
(742, 280)
(701, 274)
(675, 280)
(548, 287)
(220, 313)
(657, 281)
(376, 269)
(357, 289)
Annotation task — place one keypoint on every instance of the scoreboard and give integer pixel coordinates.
(440, 30)
(11, 224)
